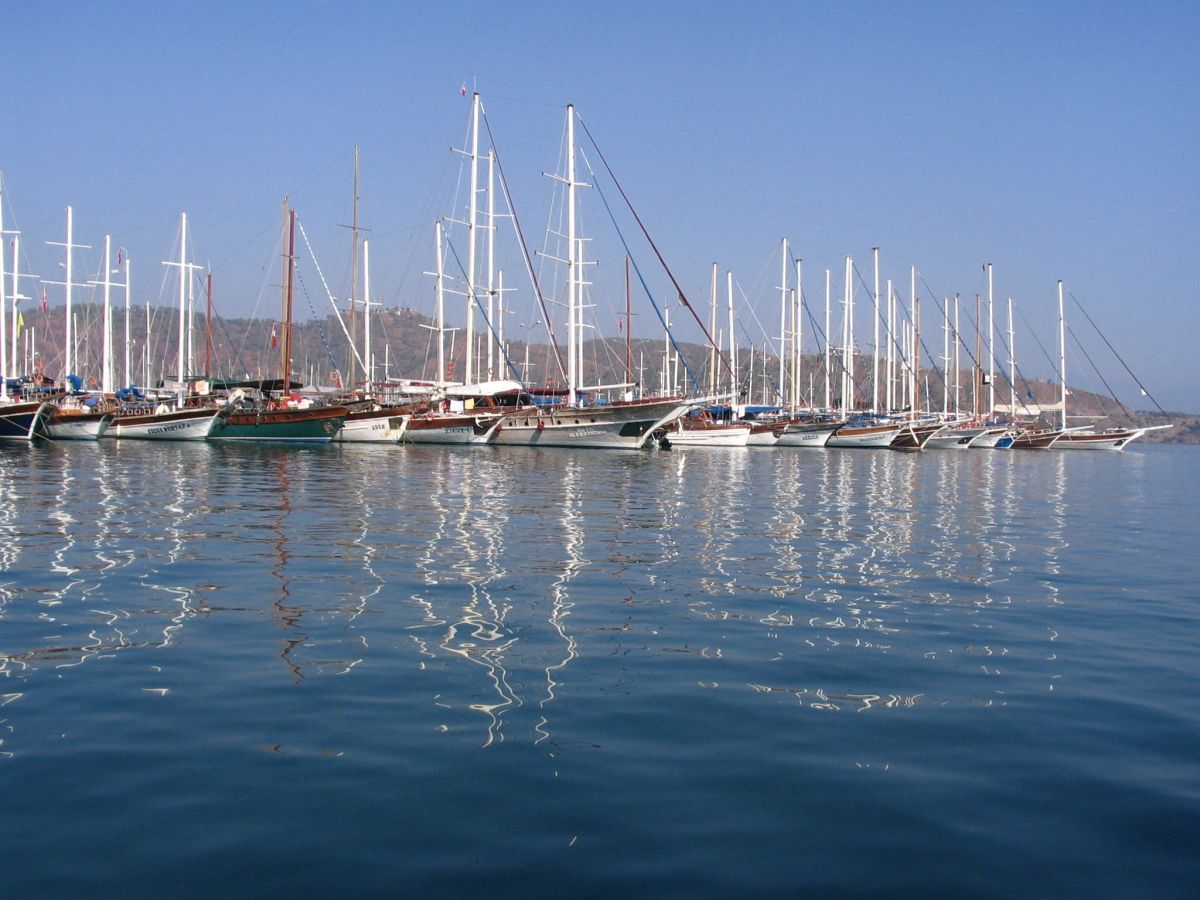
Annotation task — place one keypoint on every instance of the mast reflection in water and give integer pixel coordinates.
(507, 668)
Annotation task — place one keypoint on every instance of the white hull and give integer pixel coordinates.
(710, 437)
(171, 426)
(871, 437)
(382, 429)
(764, 438)
(1111, 441)
(85, 429)
(455, 429)
(806, 436)
(993, 439)
(614, 427)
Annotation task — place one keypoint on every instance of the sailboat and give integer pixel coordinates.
(291, 418)
(1087, 438)
(622, 424)
(139, 418)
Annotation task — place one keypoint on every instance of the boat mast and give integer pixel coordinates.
(946, 357)
(1062, 353)
(287, 319)
(797, 332)
(828, 334)
(441, 306)
(472, 224)
(712, 329)
(1012, 365)
(875, 346)
(491, 264)
(182, 291)
(891, 348)
(70, 245)
(3, 310)
(128, 370)
(106, 365)
(957, 358)
(783, 286)
(991, 347)
(207, 328)
(848, 345)
(352, 366)
(733, 375)
(915, 360)
(368, 363)
(572, 263)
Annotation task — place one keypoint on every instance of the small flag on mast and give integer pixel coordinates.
(463, 89)
(43, 298)
(274, 337)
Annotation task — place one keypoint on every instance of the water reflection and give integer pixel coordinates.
(841, 580)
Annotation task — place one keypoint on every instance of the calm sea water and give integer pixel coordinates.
(279, 671)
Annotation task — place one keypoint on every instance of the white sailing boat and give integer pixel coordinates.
(622, 424)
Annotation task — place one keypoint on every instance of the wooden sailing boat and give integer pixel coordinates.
(289, 418)
(622, 424)
(186, 419)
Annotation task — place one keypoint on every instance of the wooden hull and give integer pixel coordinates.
(66, 425)
(914, 436)
(173, 425)
(1105, 440)
(451, 428)
(617, 426)
(1036, 440)
(373, 426)
(24, 421)
(317, 425)
(863, 436)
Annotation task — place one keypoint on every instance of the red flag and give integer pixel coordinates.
(274, 339)
(43, 299)
(464, 89)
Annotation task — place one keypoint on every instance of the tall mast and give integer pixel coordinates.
(957, 358)
(875, 350)
(991, 345)
(733, 378)
(891, 348)
(70, 245)
(828, 336)
(946, 356)
(848, 349)
(287, 321)
(1012, 365)
(1062, 353)
(797, 332)
(491, 263)
(353, 272)
(472, 224)
(16, 298)
(367, 361)
(572, 263)
(441, 306)
(915, 358)
(128, 370)
(976, 365)
(106, 366)
(183, 278)
(783, 288)
(207, 327)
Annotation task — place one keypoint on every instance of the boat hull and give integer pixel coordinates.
(710, 436)
(863, 437)
(811, 434)
(174, 425)
(442, 428)
(618, 426)
(1109, 440)
(376, 426)
(317, 425)
(77, 426)
(24, 421)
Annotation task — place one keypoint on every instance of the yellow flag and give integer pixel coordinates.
(20, 323)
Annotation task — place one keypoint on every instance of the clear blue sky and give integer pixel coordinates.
(1056, 141)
